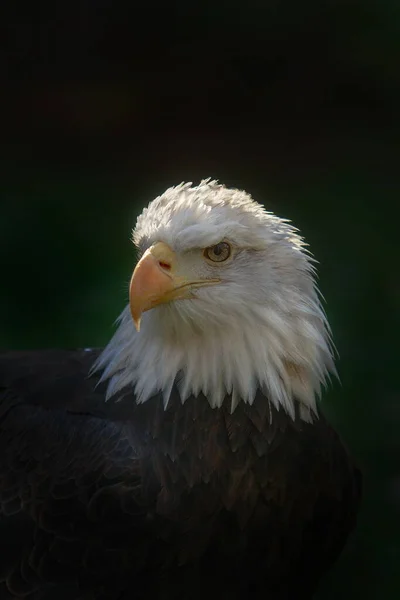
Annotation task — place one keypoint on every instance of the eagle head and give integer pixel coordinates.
(223, 302)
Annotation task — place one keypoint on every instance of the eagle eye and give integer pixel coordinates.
(219, 252)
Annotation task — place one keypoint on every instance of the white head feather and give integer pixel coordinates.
(262, 327)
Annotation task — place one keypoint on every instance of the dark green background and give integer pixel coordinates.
(296, 102)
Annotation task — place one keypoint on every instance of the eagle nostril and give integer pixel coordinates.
(164, 265)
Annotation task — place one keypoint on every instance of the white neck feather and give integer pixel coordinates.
(284, 351)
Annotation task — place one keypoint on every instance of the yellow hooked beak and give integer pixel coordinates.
(155, 281)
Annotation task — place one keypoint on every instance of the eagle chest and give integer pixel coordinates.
(209, 465)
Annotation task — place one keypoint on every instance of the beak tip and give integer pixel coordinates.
(137, 323)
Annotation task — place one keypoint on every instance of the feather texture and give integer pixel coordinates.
(262, 327)
(105, 500)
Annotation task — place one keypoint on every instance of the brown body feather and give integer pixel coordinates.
(115, 501)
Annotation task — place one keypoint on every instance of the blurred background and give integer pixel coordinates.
(103, 107)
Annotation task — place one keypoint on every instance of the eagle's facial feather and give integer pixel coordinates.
(261, 326)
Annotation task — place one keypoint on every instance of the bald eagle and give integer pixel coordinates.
(188, 459)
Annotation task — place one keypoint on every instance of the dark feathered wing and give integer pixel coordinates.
(116, 501)
(68, 475)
